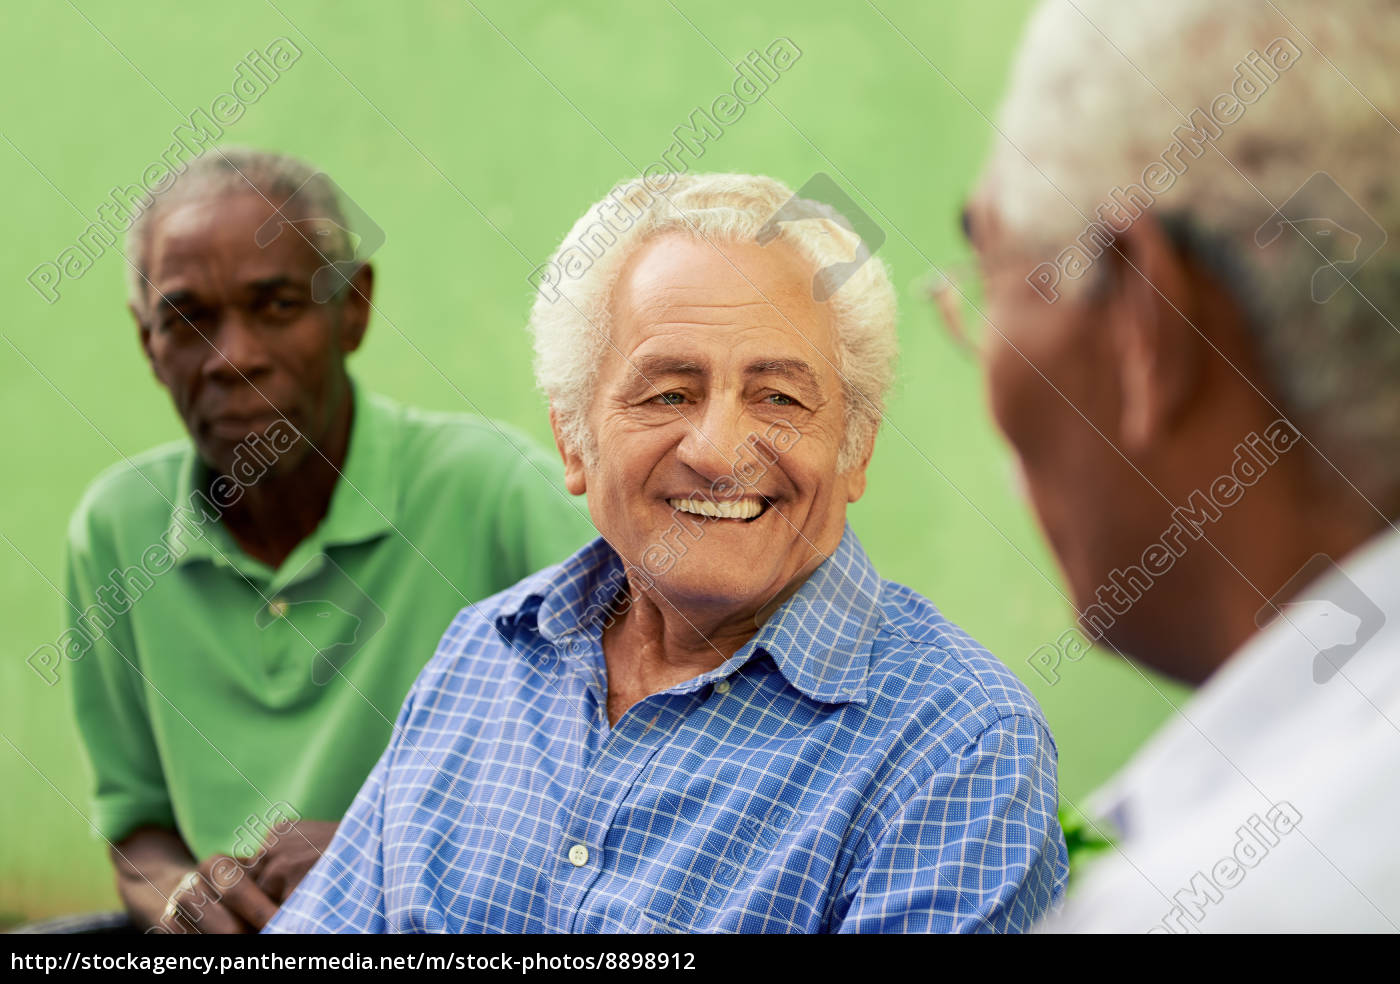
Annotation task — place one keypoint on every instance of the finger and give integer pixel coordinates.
(172, 922)
(214, 918)
(249, 902)
(254, 864)
(194, 909)
(173, 919)
(272, 879)
(281, 877)
(224, 881)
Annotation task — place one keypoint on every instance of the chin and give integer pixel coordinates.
(705, 587)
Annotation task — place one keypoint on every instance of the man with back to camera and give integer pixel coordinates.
(1186, 235)
(249, 607)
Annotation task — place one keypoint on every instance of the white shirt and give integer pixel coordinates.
(1271, 802)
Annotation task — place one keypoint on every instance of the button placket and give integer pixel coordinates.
(620, 762)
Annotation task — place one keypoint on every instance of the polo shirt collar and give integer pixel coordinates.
(820, 639)
(364, 504)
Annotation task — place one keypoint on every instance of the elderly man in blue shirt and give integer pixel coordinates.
(717, 716)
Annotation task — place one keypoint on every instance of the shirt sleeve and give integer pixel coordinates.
(540, 522)
(344, 891)
(977, 848)
(109, 696)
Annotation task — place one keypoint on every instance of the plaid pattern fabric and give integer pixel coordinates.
(860, 765)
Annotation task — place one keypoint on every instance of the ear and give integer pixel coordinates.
(357, 306)
(1156, 328)
(855, 478)
(575, 479)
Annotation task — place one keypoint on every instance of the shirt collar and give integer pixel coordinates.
(1265, 693)
(364, 504)
(820, 639)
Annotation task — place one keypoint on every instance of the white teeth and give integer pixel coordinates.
(732, 509)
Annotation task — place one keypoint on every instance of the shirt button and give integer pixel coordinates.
(277, 608)
(578, 855)
(722, 687)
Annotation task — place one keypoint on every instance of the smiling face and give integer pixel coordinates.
(232, 332)
(718, 417)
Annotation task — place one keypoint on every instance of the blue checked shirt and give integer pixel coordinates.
(860, 765)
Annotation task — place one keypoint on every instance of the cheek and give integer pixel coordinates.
(309, 346)
(1010, 393)
(178, 368)
(625, 455)
(1037, 423)
(1043, 378)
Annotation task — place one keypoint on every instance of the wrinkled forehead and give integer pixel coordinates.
(235, 236)
(683, 291)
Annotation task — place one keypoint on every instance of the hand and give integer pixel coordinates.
(288, 854)
(219, 896)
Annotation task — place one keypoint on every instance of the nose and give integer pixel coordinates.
(238, 353)
(713, 437)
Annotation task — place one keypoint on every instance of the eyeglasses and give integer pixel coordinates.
(958, 295)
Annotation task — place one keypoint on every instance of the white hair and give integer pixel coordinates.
(1099, 92)
(570, 319)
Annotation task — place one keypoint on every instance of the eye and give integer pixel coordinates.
(780, 400)
(183, 321)
(282, 307)
(669, 399)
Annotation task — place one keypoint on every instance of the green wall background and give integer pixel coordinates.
(474, 134)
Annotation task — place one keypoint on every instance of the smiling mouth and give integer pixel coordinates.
(743, 510)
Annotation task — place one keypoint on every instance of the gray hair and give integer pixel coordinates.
(220, 171)
(1099, 91)
(571, 321)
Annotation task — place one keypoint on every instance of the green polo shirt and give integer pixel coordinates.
(213, 692)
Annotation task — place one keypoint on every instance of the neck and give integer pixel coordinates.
(286, 505)
(1216, 606)
(654, 646)
(666, 640)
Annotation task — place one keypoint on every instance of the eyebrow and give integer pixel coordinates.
(664, 365)
(186, 295)
(794, 370)
(175, 298)
(269, 284)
